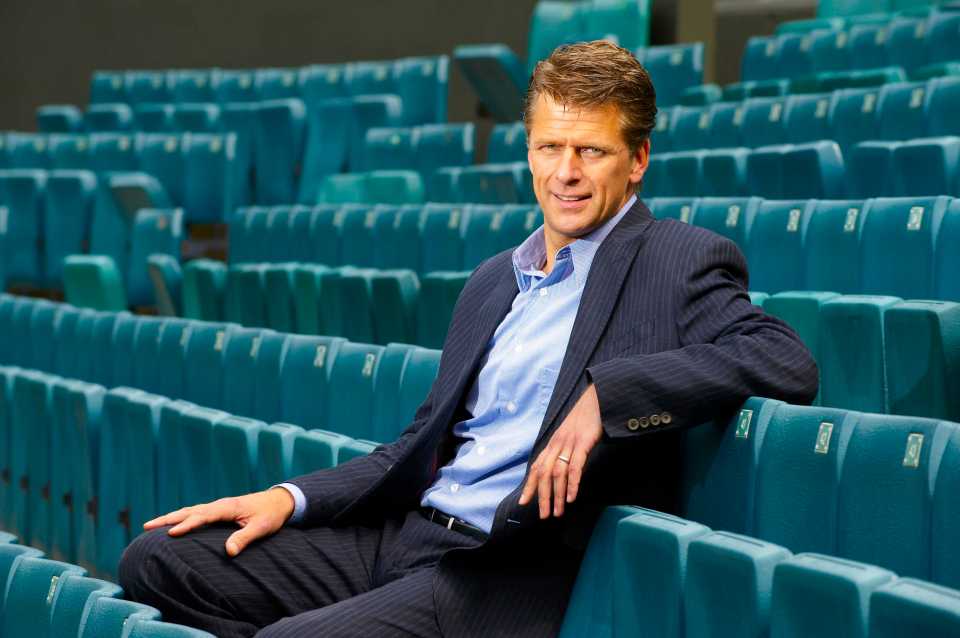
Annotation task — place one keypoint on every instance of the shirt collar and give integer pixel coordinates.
(530, 256)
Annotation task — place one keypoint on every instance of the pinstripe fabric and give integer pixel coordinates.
(664, 326)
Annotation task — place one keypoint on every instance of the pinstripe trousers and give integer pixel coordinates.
(364, 581)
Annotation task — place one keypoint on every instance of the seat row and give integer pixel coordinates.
(421, 82)
(897, 111)
(905, 247)
(913, 43)
(139, 397)
(849, 11)
(650, 573)
(45, 598)
(924, 166)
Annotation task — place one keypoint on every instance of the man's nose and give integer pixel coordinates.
(568, 171)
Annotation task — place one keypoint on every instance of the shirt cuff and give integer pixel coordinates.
(299, 501)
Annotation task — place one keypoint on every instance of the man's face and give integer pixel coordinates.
(583, 170)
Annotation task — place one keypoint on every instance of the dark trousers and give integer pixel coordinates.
(326, 581)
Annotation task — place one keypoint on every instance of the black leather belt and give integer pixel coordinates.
(434, 515)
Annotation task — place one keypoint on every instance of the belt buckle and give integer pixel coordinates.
(450, 522)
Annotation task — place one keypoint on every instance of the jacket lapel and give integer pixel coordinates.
(600, 294)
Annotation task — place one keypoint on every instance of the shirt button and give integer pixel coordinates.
(511, 407)
(543, 292)
(455, 487)
(519, 348)
(481, 449)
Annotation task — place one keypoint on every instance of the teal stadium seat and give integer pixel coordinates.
(22, 194)
(305, 388)
(28, 596)
(945, 519)
(107, 86)
(68, 151)
(154, 231)
(279, 149)
(204, 284)
(759, 60)
(166, 277)
(853, 116)
(422, 86)
(240, 118)
(942, 37)
(439, 292)
(236, 86)
(110, 616)
(146, 86)
(928, 166)
(681, 176)
(154, 118)
(729, 217)
(197, 475)
(947, 257)
(418, 376)
(107, 118)
(815, 595)
(673, 69)
(397, 237)
(316, 450)
(326, 145)
(161, 156)
(276, 84)
(351, 390)
(27, 150)
(690, 128)
(763, 121)
(390, 148)
(801, 310)
(942, 104)
(830, 50)
(69, 210)
(239, 370)
(701, 95)
(93, 281)
(278, 280)
(244, 299)
(393, 296)
(775, 247)
(869, 167)
(444, 145)
(74, 597)
(724, 173)
(112, 152)
(649, 573)
(193, 85)
(211, 178)
(11, 555)
(889, 466)
(196, 117)
(745, 566)
(441, 232)
(798, 477)
(813, 170)
(235, 451)
(203, 362)
(371, 111)
(386, 391)
(353, 448)
(394, 187)
(313, 283)
(496, 75)
(678, 208)
(726, 125)
(808, 118)
(719, 481)
(59, 118)
(903, 111)
(269, 351)
(833, 246)
(508, 143)
(344, 188)
(275, 454)
(908, 607)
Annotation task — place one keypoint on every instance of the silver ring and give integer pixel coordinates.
(563, 458)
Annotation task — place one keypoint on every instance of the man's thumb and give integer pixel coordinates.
(239, 540)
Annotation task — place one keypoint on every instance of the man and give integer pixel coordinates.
(571, 368)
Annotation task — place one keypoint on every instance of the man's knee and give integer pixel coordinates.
(143, 561)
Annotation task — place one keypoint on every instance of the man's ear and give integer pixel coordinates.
(641, 159)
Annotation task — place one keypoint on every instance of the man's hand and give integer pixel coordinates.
(554, 479)
(259, 514)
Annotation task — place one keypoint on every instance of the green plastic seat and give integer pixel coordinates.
(774, 245)
(10, 558)
(353, 291)
(356, 225)
(166, 277)
(729, 583)
(395, 187)
(203, 362)
(279, 296)
(816, 595)
(305, 387)
(275, 454)
(74, 597)
(204, 287)
(438, 296)
(269, 353)
(197, 475)
(833, 247)
(800, 309)
(316, 450)
(244, 296)
(415, 384)
(170, 357)
(312, 283)
(169, 457)
(235, 455)
(29, 599)
(386, 391)
(946, 516)
(30, 469)
(143, 413)
(394, 296)
(852, 360)
(68, 200)
(397, 239)
(355, 448)
(92, 281)
(496, 75)
(730, 217)
(154, 232)
(239, 370)
(908, 607)
(442, 236)
(351, 390)
(109, 617)
(344, 188)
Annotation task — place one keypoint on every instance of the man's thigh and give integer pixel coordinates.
(192, 580)
(404, 607)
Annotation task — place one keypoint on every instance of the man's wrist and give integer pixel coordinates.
(295, 499)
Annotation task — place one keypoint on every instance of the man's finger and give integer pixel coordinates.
(577, 461)
(560, 471)
(239, 540)
(171, 518)
(201, 516)
(544, 485)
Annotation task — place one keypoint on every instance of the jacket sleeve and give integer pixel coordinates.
(730, 350)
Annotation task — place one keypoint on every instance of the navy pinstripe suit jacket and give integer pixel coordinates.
(665, 325)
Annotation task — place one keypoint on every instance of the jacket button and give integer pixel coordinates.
(633, 424)
(654, 419)
(666, 418)
(644, 422)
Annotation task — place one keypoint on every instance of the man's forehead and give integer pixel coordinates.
(550, 115)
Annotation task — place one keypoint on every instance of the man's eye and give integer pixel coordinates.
(548, 147)
(591, 151)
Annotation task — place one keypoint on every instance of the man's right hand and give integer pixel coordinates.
(258, 514)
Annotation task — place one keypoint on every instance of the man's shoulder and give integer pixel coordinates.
(670, 234)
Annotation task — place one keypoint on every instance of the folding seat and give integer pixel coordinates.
(397, 238)
(356, 225)
(816, 595)
(441, 228)
(107, 118)
(197, 477)
(107, 86)
(438, 295)
(813, 170)
(681, 174)
(111, 152)
(730, 217)
(166, 277)
(833, 246)
(354, 292)
(481, 233)
(723, 173)
(774, 245)
(193, 85)
(351, 389)
(236, 86)
(763, 122)
(726, 122)
(764, 171)
(418, 376)
(947, 258)
(678, 208)
(702, 95)
(154, 118)
(760, 58)
(279, 150)
(628, 21)
(161, 156)
(690, 129)
(868, 48)
(74, 596)
(239, 370)
(719, 481)
(941, 107)
(93, 281)
(942, 38)
(386, 391)
(235, 455)
(802, 446)
(906, 43)
(508, 143)
(27, 151)
(305, 391)
(204, 281)
(171, 339)
(496, 75)
(29, 590)
(794, 59)
(516, 224)
(154, 231)
(852, 362)
(211, 176)
(929, 166)
(829, 50)
(313, 283)
(869, 168)
(352, 449)
(22, 193)
(800, 309)
(370, 78)
(196, 117)
(276, 84)
(945, 516)
(315, 450)
(169, 496)
(244, 296)
(203, 362)
(903, 111)
(109, 617)
(326, 145)
(508, 183)
(156, 629)
(853, 116)
(279, 296)
(275, 454)
(444, 184)
(394, 187)
(68, 204)
(240, 118)
(344, 188)
(68, 151)
(144, 87)
(909, 607)
(807, 118)
(921, 351)
(250, 245)
(552, 24)
(390, 148)
(674, 68)
(811, 25)
(59, 118)
(393, 299)
(745, 566)
(889, 465)
(421, 83)
(370, 111)
(444, 145)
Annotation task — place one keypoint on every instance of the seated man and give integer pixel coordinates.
(572, 367)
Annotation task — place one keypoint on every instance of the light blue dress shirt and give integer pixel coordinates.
(509, 398)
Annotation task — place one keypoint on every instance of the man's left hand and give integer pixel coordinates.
(555, 475)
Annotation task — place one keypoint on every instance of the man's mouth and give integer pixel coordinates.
(571, 198)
